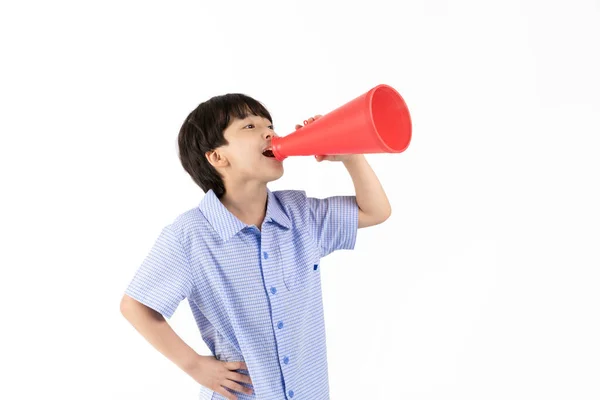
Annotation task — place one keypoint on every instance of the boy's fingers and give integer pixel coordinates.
(237, 387)
(235, 376)
(225, 393)
(308, 121)
(236, 365)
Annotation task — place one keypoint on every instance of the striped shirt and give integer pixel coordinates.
(255, 295)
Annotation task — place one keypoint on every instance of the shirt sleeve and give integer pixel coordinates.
(333, 222)
(163, 279)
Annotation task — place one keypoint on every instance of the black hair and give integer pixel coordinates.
(202, 131)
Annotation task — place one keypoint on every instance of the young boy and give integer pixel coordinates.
(247, 259)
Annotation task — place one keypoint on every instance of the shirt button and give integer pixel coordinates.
(265, 255)
(273, 290)
(286, 360)
(291, 393)
(280, 325)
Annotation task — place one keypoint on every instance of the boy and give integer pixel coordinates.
(247, 260)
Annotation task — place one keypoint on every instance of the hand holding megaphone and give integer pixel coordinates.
(378, 121)
(318, 157)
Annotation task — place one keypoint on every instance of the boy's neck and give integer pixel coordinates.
(248, 204)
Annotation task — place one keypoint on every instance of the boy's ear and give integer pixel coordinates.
(215, 158)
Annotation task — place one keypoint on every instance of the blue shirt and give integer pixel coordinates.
(255, 295)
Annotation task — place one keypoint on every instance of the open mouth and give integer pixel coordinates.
(268, 153)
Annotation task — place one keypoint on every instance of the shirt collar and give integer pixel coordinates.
(228, 225)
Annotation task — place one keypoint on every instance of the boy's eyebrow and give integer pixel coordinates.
(252, 115)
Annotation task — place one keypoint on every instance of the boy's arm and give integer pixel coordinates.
(206, 370)
(374, 206)
(155, 329)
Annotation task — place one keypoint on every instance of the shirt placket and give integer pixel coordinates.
(271, 267)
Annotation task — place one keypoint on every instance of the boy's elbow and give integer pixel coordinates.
(366, 220)
(387, 214)
(383, 218)
(384, 215)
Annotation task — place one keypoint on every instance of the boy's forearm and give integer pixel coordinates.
(157, 331)
(370, 196)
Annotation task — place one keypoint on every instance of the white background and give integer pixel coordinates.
(482, 285)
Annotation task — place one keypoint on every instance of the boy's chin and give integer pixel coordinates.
(274, 175)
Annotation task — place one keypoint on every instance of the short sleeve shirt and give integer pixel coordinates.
(255, 295)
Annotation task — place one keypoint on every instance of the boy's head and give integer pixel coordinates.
(221, 143)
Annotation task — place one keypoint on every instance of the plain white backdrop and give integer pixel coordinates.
(482, 285)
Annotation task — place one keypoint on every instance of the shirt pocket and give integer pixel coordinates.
(301, 276)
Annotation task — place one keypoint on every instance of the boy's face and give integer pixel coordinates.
(242, 160)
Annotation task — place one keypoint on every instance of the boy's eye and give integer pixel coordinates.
(270, 126)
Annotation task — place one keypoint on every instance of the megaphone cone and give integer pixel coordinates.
(377, 121)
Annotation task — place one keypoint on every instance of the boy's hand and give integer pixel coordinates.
(218, 375)
(336, 157)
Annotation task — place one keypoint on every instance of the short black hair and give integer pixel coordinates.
(202, 131)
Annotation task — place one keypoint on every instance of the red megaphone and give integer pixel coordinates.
(375, 122)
